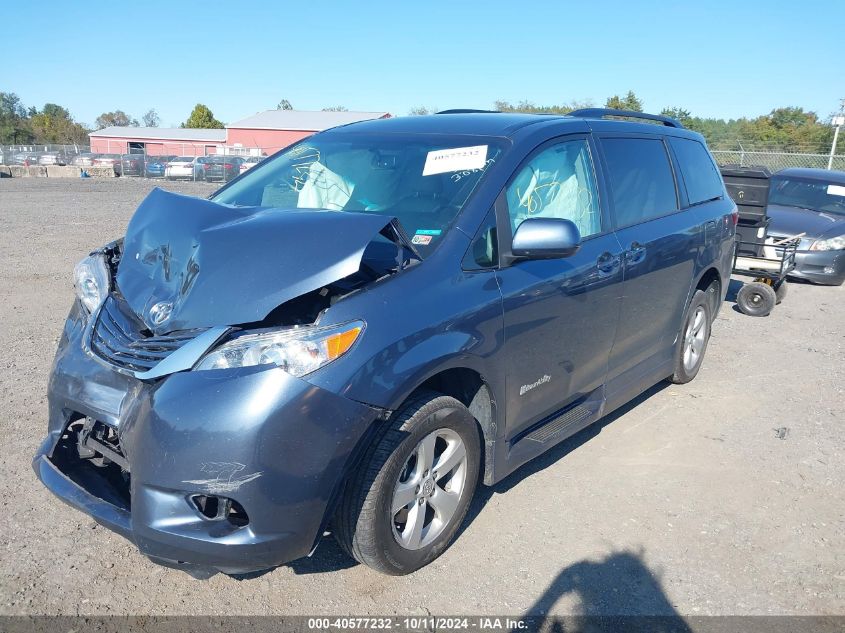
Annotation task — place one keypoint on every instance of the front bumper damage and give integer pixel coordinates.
(270, 446)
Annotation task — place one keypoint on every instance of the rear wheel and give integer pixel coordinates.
(756, 299)
(404, 505)
(692, 343)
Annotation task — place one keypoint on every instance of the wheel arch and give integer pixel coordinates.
(468, 386)
(708, 276)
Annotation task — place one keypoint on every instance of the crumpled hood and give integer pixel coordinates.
(203, 264)
(793, 220)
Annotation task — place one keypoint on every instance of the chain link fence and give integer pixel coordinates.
(185, 161)
(173, 160)
(41, 153)
(776, 161)
(149, 163)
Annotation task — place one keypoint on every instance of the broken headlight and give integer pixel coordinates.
(91, 281)
(298, 351)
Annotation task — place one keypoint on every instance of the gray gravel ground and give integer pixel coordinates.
(724, 496)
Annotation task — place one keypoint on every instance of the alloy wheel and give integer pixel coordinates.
(695, 338)
(429, 489)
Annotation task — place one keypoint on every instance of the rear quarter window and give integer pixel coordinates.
(701, 178)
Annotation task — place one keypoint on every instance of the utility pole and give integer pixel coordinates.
(838, 120)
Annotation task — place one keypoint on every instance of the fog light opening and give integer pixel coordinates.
(216, 508)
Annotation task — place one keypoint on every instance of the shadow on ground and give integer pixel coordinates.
(616, 593)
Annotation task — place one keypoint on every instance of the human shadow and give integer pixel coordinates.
(617, 593)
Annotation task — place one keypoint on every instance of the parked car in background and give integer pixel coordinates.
(24, 158)
(156, 166)
(83, 160)
(132, 165)
(241, 373)
(182, 168)
(108, 160)
(222, 168)
(812, 202)
(251, 161)
(52, 158)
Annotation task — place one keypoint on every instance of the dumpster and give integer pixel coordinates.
(749, 188)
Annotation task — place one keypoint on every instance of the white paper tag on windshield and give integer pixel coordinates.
(836, 190)
(442, 161)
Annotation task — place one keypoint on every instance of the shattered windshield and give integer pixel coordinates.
(423, 180)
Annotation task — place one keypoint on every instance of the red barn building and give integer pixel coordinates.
(262, 133)
(273, 130)
(157, 141)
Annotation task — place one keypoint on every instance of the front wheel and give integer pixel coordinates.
(695, 334)
(404, 505)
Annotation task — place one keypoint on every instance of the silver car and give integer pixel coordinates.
(52, 158)
(810, 202)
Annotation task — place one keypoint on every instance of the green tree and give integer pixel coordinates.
(151, 118)
(284, 104)
(117, 118)
(629, 102)
(14, 120)
(532, 108)
(421, 111)
(202, 117)
(54, 124)
(677, 113)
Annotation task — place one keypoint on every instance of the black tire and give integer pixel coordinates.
(780, 292)
(756, 299)
(686, 371)
(364, 524)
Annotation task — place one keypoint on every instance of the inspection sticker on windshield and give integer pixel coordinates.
(442, 161)
(836, 190)
(423, 240)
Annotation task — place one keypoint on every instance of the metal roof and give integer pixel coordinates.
(165, 133)
(302, 120)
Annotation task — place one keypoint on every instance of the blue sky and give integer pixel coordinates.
(719, 58)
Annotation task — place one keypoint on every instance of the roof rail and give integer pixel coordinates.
(467, 111)
(598, 113)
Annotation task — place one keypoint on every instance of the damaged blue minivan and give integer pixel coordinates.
(352, 335)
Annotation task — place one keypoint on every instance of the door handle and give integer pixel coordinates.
(608, 264)
(636, 253)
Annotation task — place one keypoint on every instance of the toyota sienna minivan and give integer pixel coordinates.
(356, 332)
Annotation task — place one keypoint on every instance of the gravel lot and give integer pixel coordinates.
(724, 496)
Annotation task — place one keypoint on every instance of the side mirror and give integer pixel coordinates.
(545, 238)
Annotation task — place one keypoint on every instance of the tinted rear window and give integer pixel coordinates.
(641, 179)
(702, 180)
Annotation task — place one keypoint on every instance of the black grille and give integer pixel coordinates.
(123, 340)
